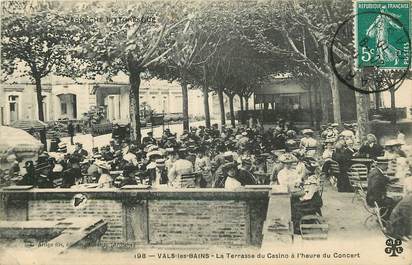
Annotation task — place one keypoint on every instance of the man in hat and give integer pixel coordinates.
(180, 167)
(400, 222)
(203, 165)
(28, 178)
(131, 156)
(396, 149)
(54, 142)
(79, 152)
(377, 187)
(159, 174)
(70, 131)
(118, 162)
(245, 176)
(149, 139)
(279, 138)
(171, 158)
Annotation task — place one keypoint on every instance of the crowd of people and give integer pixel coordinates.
(228, 158)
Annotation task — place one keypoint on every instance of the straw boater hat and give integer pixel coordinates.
(160, 162)
(229, 165)
(287, 158)
(307, 131)
(103, 165)
(62, 147)
(334, 125)
(393, 142)
(278, 152)
(383, 158)
(154, 153)
(97, 156)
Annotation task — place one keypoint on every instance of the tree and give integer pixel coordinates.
(300, 32)
(39, 41)
(132, 41)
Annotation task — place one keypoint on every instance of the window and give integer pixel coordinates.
(13, 98)
(63, 107)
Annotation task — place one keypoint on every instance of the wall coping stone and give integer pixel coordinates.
(138, 194)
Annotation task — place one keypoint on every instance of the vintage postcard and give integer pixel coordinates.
(205, 132)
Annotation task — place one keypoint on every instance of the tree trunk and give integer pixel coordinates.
(312, 114)
(185, 102)
(206, 105)
(393, 106)
(377, 100)
(222, 106)
(362, 111)
(324, 101)
(40, 110)
(241, 103)
(134, 80)
(335, 98)
(246, 103)
(232, 111)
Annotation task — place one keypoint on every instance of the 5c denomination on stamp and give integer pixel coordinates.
(382, 30)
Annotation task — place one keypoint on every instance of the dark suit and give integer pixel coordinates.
(377, 185)
(370, 152)
(400, 224)
(246, 178)
(80, 154)
(343, 157)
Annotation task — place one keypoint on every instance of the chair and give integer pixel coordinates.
(358, 178)
(374, 212)
(313, 227)
(188, 180)
(334, 172)
(263, 178)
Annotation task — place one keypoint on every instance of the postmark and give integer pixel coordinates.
(381, 31)
(370, 70)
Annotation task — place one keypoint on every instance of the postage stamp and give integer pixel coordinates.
(382, 34)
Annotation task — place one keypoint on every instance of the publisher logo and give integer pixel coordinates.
(393, 247)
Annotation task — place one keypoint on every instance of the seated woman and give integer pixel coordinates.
(288, 176)
(306, 201)
(329, 147)
(236, 178)
(232, 181)
(308, 143)
(370, 148)
(105, 180)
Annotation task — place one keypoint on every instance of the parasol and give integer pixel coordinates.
(13, 140)
(28, 124)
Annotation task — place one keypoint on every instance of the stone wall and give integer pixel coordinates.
(186, 217)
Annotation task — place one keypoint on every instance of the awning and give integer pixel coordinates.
(28, 124)
(278, 86)
(113, 89)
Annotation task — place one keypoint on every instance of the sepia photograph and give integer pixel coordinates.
(205, 132)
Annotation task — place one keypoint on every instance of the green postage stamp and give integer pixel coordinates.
(382, 34)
